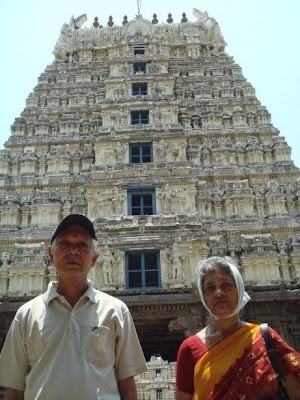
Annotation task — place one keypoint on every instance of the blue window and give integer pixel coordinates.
(139, 68)
(139, 117)
(141, 202)
(140, 152)
(139, 89)
(139, 49)
(142, 269)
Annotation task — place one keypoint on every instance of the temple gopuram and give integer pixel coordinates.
(151, 130)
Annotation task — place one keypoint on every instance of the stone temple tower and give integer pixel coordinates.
(152, 131)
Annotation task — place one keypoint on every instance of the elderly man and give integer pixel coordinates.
(73, 341)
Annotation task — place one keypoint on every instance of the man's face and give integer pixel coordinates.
(72, 253)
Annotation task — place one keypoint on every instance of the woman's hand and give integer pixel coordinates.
(292, 385)
(183, 396)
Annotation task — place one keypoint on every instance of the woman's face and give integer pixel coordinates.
(220, 292)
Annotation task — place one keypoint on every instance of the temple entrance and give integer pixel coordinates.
(156, 339)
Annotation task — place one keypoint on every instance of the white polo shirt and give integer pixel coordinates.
(54, 352)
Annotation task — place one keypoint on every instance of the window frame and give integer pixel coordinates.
(142, 193)
(139, 89)
(142, 270)
(141, 157)
(139, 49)
(139, 68)
(139, 117)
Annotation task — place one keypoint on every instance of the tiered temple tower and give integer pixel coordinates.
(152, 131)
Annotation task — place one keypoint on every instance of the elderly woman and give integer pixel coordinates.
(228, 358)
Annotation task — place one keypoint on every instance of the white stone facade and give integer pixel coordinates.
(158, 382)
(153, 132)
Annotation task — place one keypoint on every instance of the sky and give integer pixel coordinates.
(263, 36)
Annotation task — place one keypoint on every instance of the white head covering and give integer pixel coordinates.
(214, 262)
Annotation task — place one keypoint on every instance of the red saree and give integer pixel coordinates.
(238, 368)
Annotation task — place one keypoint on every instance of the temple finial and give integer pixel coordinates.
(139, 6)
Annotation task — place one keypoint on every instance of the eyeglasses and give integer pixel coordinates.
(81, 246)
(224, 287)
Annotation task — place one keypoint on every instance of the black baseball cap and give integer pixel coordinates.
(74, 219)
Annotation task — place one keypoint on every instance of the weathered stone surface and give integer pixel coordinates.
(220, 175)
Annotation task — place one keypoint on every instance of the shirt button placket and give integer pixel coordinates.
(71, 331)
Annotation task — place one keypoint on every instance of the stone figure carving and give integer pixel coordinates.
(5, 258)
(179, 151)
(119, 152)
(119, 92)
(176, 259)
(157, 90)
(72, 57)
(273, 187)
(86, 55)
(167, 199)
(107, 265)
(161, 147)
(117, 200)
(128, 68)
(95, 78)
(154, 69)
(191, 150)
(117, 118)
(156, 115)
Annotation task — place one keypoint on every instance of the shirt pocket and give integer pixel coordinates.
(99, 346)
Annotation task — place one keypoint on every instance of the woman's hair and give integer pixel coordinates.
(212, 264)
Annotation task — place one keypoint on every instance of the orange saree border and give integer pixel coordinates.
(210, 368)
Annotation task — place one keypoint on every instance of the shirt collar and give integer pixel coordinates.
(51, 292)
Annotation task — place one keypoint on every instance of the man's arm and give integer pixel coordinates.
(127, 389)
(13, 394)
